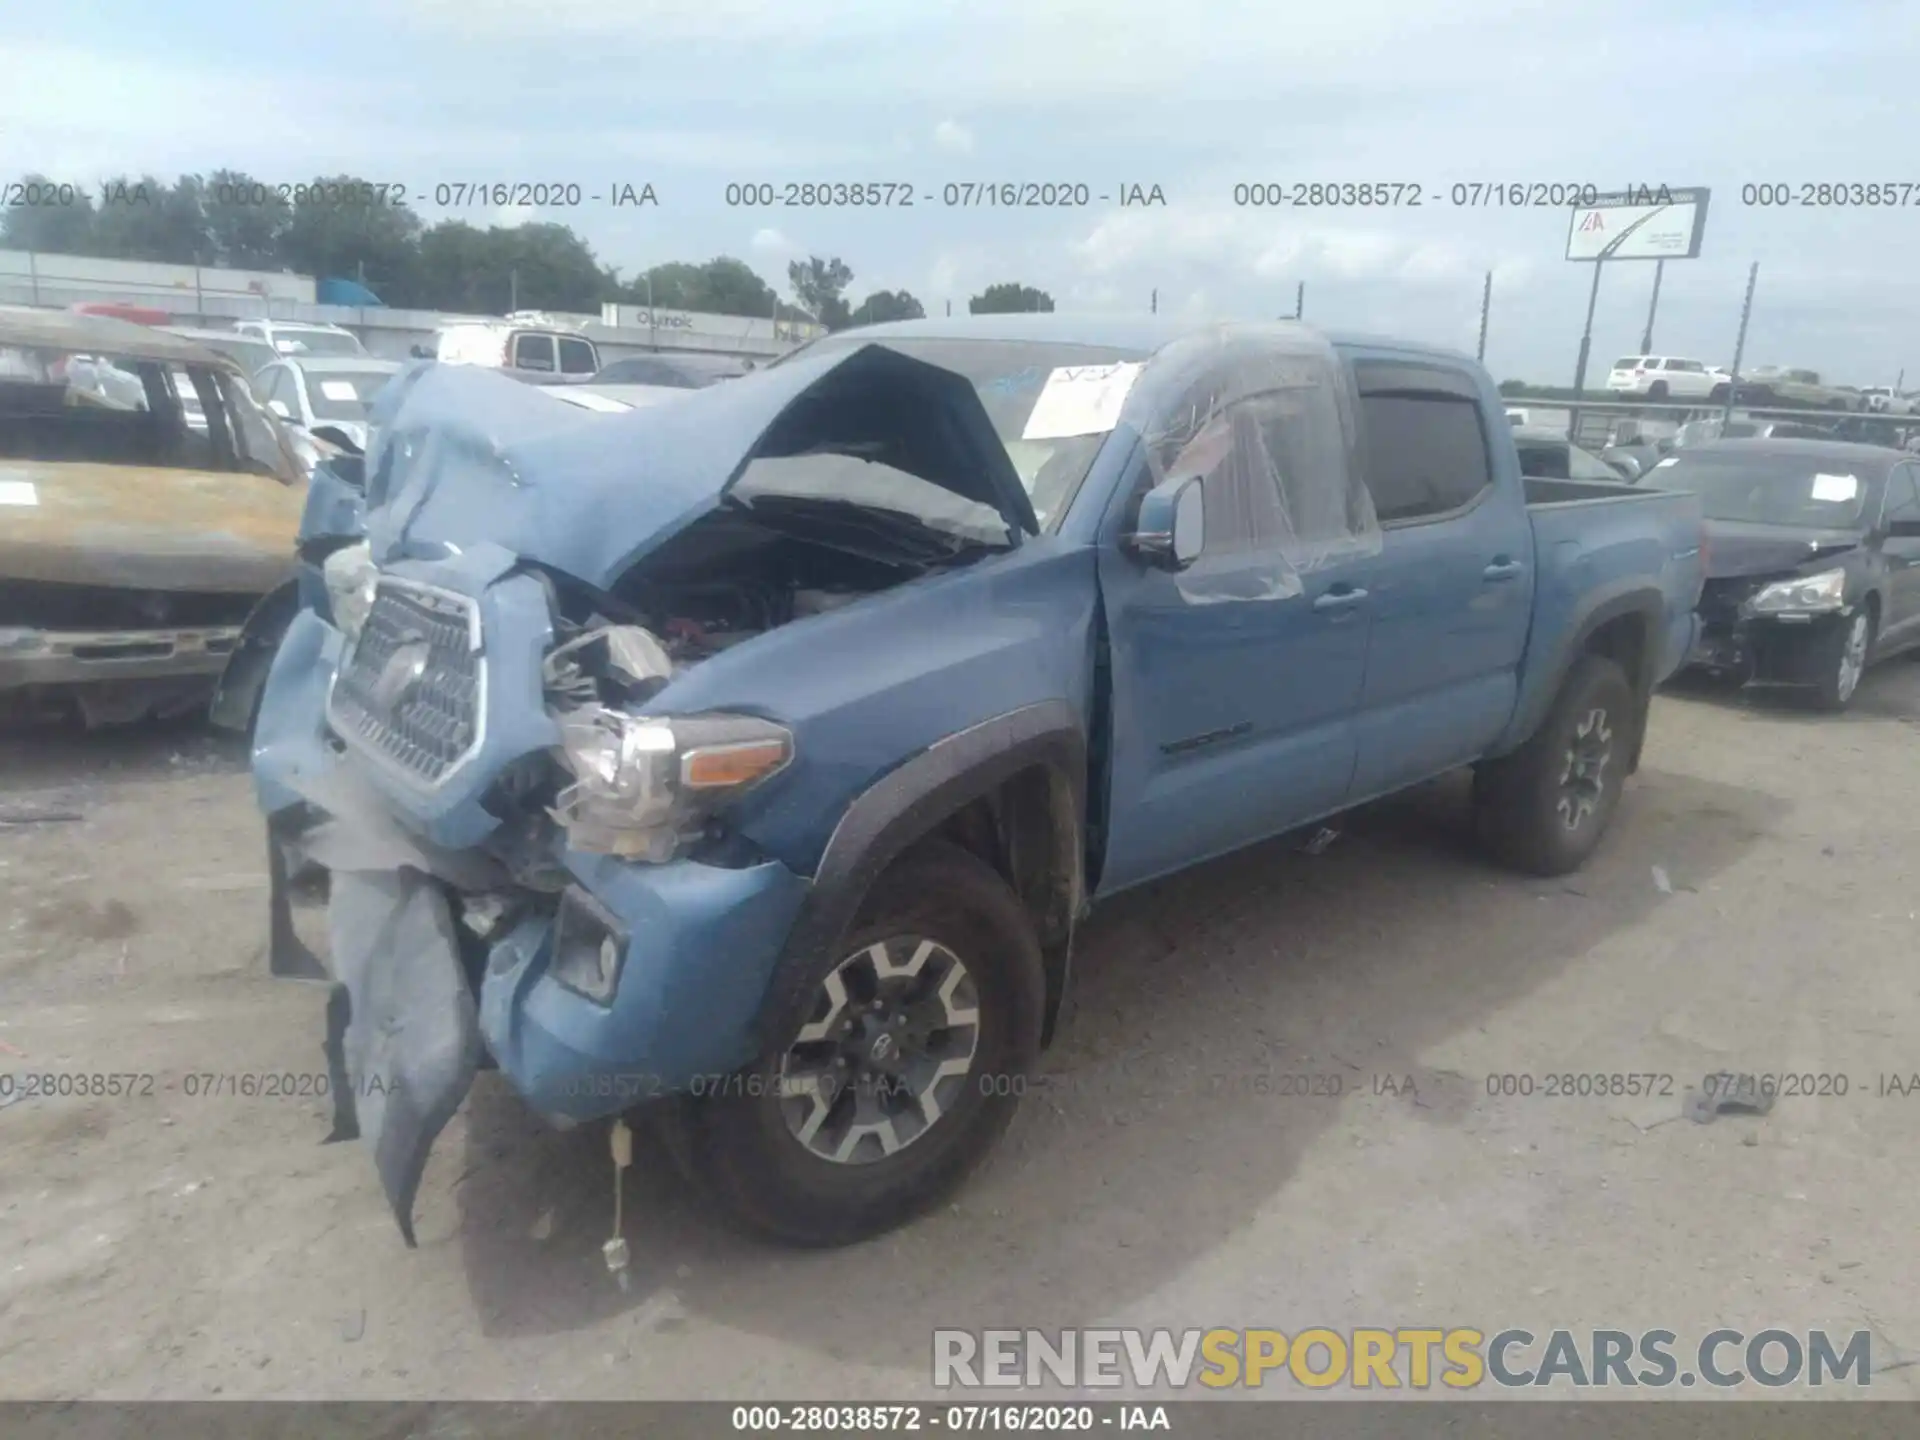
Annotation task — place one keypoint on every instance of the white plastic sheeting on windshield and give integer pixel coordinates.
(1261, 414)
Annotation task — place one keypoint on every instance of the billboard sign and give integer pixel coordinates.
(1645, 223)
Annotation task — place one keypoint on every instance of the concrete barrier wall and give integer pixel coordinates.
(203, 296)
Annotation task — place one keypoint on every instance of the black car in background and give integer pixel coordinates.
(1813, 559)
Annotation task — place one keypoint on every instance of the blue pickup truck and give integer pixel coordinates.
(758, 755)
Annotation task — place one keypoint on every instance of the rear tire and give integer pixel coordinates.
(1657, 390)
(1845, 655)
(1717, 395)
(750, 1146)
(1544, 808)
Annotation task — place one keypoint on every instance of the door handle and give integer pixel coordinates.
(1339, 599)
(1503, 570)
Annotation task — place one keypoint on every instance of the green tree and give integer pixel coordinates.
(819, 285)
(340, 226)
(50, 227)
(147, 219)
(1513, 387)
(1009, 298)
(453, 271)
(721, 286)
(545, 266)
(884, 305)
(730, 287)
(245, 220)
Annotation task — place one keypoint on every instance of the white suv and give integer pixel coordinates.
(294, 337)
(1664, 377)
(1885, 400)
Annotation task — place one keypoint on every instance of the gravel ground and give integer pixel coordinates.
(1753, 910)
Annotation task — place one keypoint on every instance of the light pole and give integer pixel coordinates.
(1646, 336)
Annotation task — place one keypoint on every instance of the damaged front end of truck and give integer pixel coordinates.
(539, 758)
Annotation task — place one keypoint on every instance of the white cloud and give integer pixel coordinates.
(692, 98)
(944, 278)
(654, 23)
(953, 137)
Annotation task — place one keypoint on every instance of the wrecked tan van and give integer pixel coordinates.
(146, 503)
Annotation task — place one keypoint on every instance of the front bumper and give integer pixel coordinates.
(1766, 650)
(76, 657)
(699, 944)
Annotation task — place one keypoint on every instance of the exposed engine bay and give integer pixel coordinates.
(729, 578)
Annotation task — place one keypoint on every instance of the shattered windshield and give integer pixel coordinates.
(1009, 376)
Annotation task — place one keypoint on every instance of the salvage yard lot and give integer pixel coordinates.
(1753, 910)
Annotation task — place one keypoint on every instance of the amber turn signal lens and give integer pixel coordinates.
(717, 766)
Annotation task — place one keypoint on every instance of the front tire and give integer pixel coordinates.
(1844, 657)
(903, 1055)
(1544, 808)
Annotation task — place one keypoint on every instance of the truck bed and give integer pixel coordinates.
(1592, 538)
(1542, 493)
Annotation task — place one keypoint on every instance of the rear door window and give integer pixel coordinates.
(533, 352)
(1426, 451)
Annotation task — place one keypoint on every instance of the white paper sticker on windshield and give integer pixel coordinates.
(1835, 487)
(339, 390)
(1080, 400)
(18, 492)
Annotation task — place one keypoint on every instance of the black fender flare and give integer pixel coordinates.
(1650, 605)
(909, 802)
(236, 699)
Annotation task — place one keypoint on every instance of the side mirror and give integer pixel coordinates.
(279, 407)
(420, 352)
(1172, 527)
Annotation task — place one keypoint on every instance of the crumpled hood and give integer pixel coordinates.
(461, 456)
(1735, 549)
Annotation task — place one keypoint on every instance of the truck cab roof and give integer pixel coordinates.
(1142, 333)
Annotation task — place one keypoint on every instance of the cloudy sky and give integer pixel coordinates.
(1193, 98)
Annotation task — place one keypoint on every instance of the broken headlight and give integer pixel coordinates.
(643, 784)
(351, 577)
(1825, 591)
